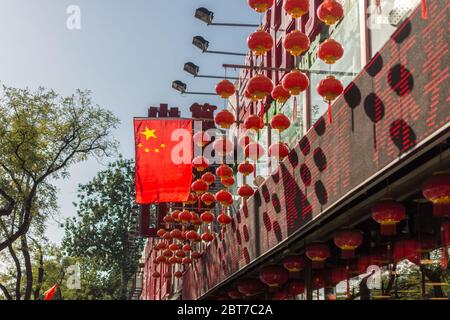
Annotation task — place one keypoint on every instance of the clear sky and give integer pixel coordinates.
(127, 53)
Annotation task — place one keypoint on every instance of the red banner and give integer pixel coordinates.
(163, 160)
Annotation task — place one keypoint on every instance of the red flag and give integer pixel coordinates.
(163, 166)
(48, 295)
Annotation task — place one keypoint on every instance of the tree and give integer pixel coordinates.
(101, 231)
(41, 135)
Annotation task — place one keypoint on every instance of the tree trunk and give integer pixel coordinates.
(18, 272)
(28, 268)
(5, 292)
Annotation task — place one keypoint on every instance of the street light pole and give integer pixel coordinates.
(238, 66)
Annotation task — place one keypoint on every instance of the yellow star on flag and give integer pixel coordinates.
(149, 134)
(157, 150)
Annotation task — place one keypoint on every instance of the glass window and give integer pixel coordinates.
(384, 20)
(347, 32)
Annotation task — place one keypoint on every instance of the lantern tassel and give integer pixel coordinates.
(424, 9)
(330, 113)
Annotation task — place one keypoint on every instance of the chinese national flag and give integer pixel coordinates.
(163, 166)
(48, 295)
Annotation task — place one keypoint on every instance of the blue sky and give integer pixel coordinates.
(127, 53)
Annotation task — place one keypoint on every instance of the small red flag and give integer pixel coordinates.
(48, 295)
(163, 160)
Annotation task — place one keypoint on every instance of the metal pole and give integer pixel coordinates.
(227, 53)
(221, 24)
(201, 93)
(215, 77)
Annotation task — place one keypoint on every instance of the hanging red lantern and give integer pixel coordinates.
(295, 82)
(330, 51)
(260, 42)
(178, 274)
(254, 122)
(223, 146)
(199, 186)
(175, 214)
(186, 261)
(348, 241)
(161, 259)
(209, 178)
(225, 89)
(180, 253)
(224, 119)
(224, 219)
(168, 253)
(250, 97)
(330, 88)
(201, 139)
(187, 248)
(207, 217)
(246, 168)
(254, 151)
(330, 12)
(168, 219)
(260, 6)
(295, 287)
(227, 181)
(296, 8)
(196, 255)
(156, 275)
(162, 246)
(208, 198)
(245, 191)
(224, 171)
(388, 214)
(436, 189)
(294, 264)
(196, 221)
(296, 43)
(337, 275)
(185, 216)
(192, 198)
(280, 122)
(200, 163)
(161, 233)
(192, 236)
(259, 86)
(207, 237)
(407, 249)
(224, 198)
(280, 94)
(250, 287)
(167, 236)
(318, 253)
(176, 233)
(279, 150)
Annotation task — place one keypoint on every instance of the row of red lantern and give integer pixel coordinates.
(225, 119)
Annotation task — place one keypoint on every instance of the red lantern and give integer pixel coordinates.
(337, 275)
(330, 88)
(224, 219)
(175, 215)
(224, 171)
(192, 198)
(250, 97)
(407, 249)
(224, 198)
(176, 233)
(318, 253)
(330, 51)
(185, 216)
(295, 287)
(348, 241)
(187, 248)
(167, 236)
(223, 146)
(280, 122)
(260, 6)
(245, 191)
(196, 255)
(224, 119)
(156, 274)
(201, 139)
(209, 178)
(208, 198)
(192, 236)
(207, 237)
(436, 189)
(200, 163)
(196, 221)
(295, 82)
(280, 94)
(330, 12)
(296, 43)
(161, 259)
(161, 233)
(207, 217)
(168, 253)
(178, 274)
(260, 86)
(168, 219)
(227, 181)
(180, 254)
(388, 214)
(296, 8)
(225, 89)
(186, 261)
(294, 263)
(254, 151)
(279, 150)
(199, 186)
(253, 122)
(250, 287)
(161, 246)
(260, 42)
(246, 168)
